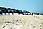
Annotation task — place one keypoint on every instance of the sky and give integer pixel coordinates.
(30, 5)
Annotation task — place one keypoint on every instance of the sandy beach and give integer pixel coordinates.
(21, 22)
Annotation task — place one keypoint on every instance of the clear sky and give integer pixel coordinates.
(30, 5)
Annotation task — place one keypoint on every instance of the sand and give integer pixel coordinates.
(21, 22)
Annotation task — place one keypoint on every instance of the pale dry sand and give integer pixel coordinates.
(27, 22)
